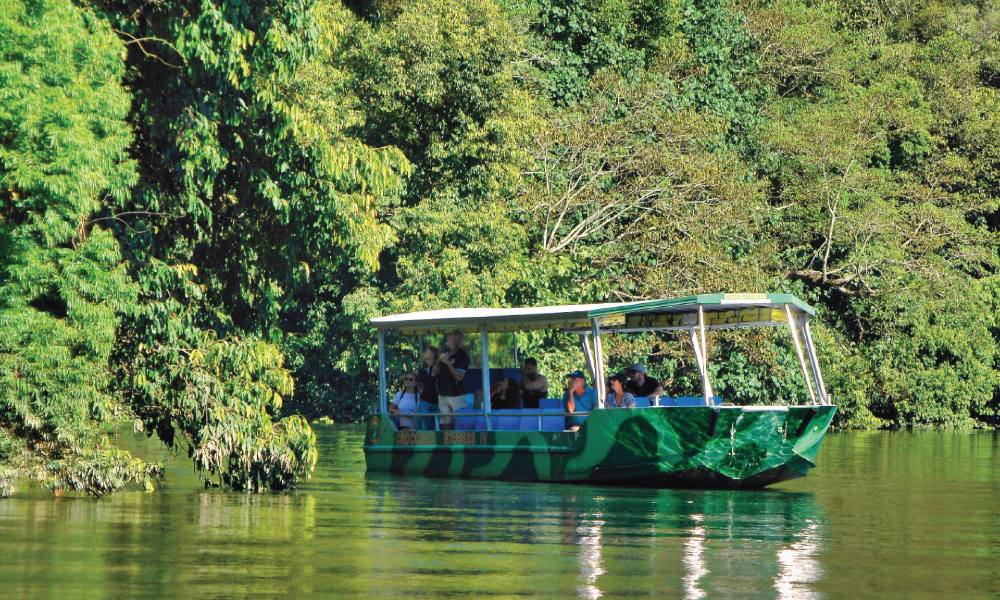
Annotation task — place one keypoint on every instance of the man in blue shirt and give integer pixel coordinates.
(578, 398)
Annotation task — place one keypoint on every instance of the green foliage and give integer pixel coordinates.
(574, 40)
(834, 150)
(300, 168)
(627, 184)
(244, 196)
(62, 282)
(925, 374)
(223, 398)
(879, 161)
(724, 66)
(437, 81)
(763, 370)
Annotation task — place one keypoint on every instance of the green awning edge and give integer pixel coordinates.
(707, 300)
(779, 298)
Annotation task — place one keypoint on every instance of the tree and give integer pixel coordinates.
(63, 285)
(631, 186)
(879, 166)
(724, 72)
(437, 81)
(241, 196)
(571, 41)
(329, 371)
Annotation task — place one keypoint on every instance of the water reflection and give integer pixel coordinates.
(884, 506)
(612, 540)
(798, 565)
(694, 559)
(590, 559)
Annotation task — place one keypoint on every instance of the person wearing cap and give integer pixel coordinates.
(642, 385)
(534, 385)
(617, 396)
(578, 398)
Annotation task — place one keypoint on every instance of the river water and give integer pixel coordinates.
(889, 515)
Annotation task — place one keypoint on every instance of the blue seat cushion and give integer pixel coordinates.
(529, 423)
(642, 402)
(691, 401)
(473, 380)
(469, 423)
(507, 419)
(550, 403)
(555, 422)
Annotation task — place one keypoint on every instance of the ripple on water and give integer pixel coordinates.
(892, 514)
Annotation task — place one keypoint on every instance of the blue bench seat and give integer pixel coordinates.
(513, 419)
(506, 419)
(466, 422)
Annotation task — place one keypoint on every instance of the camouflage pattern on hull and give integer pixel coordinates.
(728, 447)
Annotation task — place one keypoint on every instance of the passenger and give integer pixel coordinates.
(578, 398)
(405, 403)
(507, 394)
(640, 384)
(617, 396)
(428, 386)
(534, 385)
(449, 371)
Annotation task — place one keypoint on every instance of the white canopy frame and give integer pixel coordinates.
(484, 341)
(382, 386)
(794, 330)
(598, 363)
(588, 354)
(814, 362)
(699, 345)
(589, 321)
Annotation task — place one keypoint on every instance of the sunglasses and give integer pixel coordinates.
(409, 379)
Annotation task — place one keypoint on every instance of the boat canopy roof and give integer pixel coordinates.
(722, 311)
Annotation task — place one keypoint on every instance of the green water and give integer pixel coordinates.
(884, 515)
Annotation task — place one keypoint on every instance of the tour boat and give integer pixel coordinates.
(701, 441)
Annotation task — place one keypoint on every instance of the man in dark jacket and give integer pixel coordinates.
(449, 371)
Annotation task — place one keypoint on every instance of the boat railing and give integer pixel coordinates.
(491, 415)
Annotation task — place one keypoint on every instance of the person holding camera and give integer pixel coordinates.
(449, 371)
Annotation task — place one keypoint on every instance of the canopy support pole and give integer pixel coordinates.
(382, 394)
(707, 388)
(517, 359)
(588, 355)
(814, 360)
(704, 341)
(485, 346)
(598, 362)
(798, 351)
(706, 385)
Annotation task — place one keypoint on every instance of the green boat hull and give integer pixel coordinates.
(701, 446)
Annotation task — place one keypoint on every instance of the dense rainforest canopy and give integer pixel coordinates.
(203, 203)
